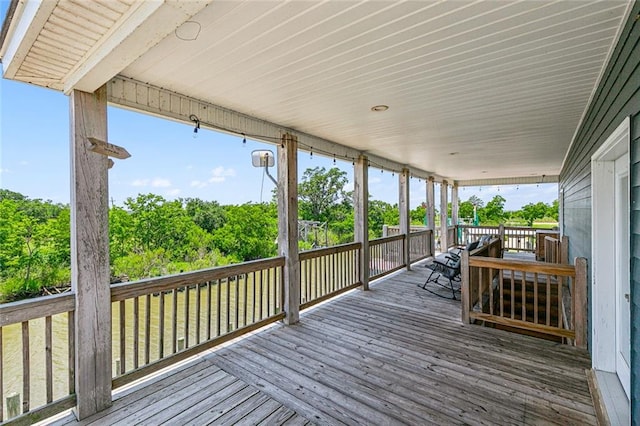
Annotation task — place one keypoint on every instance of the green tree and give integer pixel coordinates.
(493, 212)
(531, 212)
(320, 192)
(208, 215)
(553, 210)
(250, 232)
(465, 209)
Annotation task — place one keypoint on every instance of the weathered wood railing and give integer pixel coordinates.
(386, 255)
(160, 321)
(552, 250)
(420, 245)
(327, 272)
(27, 330)
(514, 238)
(525, 295)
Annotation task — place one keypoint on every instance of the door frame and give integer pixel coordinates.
(603, 246)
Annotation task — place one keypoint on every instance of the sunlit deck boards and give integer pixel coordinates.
(398, 354)
(197, 393)
(394, 355)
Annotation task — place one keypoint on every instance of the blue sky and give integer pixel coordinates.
(166, 159)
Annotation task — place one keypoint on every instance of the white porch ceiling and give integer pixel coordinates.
(476, 90)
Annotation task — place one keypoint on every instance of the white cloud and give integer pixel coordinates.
(5, 171)
(198, 184)
(161, 183)
(24, 163)
(220, 174)
(173, 192)
(374, 180)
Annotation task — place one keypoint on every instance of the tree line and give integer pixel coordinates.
(151, 236)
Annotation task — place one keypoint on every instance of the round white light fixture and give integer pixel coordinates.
(379, 108)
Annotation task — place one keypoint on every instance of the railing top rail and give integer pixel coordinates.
(153, 285)
(419, 233)
(25, 310)
(551, 239)
(523, 265)
(478, 226)
(310, 254)
(383, 240)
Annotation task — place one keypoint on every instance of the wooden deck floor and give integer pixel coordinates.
(394, 355)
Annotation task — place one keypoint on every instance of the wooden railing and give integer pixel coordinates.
(552, 250)
(159, 321)
(327, 272)
(420, 245)
(35, 336)
(514, 238)
(386, 255)
(525, 295)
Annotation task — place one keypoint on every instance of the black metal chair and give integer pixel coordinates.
(449, 270)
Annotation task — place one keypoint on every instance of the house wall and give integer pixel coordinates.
(617, 97)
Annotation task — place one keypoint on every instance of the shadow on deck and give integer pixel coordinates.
(393, 355)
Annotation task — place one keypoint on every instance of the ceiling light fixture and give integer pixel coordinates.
(379, 108)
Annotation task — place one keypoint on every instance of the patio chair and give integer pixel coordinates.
(449, 270)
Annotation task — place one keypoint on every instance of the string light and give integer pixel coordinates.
(244, 140)
(334, 159)
(311, 154)
(196, 120)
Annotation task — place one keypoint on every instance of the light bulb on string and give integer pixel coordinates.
(334, 159)
(244, 140)
(196, 121)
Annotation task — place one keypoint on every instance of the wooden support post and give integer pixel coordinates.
(431, 213)
(580, 302)
(90, 253)
(502, 235)
(454, 212)
(361, 222)
(444, 244)
(564, 250)
(405, 215)
(288, 225)
(465, 294)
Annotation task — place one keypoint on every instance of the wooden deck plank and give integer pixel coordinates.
(279, 416)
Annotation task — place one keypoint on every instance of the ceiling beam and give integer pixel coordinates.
(142, 27)
(524, 180)
(135, 95)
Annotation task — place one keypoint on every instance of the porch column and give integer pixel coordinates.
(405, 217)
(431, 212)
(454, 211)
(288, 225)
(90, 253)
(444, 244)
(361, 213)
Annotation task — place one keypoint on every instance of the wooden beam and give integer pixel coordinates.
(444, 244)
(405, 216)
(288, 225)
(90, 253)
(580, 313)
(454, 210)
(431, 211)
(361, 213)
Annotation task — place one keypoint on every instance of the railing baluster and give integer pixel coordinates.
(560, 302)
(187, 314)
(136, 332)
(501, 284)
(548, 299)
(123, 336)
(174, 320)
(160, 325)
(513, 297)
(198, 312)
(226, 326)
(218, 307)
(209, 310)
(48, 358)
(26, 367)
(490, 283)
(71, 355)
(262, 293)
(535, 297)
(147, 329)
(524, 295)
